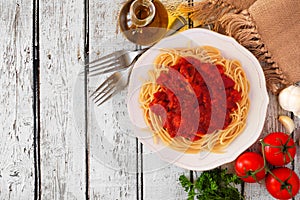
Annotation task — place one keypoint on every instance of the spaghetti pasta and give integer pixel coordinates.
(217, 139)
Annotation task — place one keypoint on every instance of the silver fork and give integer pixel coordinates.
(114, 62)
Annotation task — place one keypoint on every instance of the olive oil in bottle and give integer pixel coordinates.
(142, 12)
(143, 22)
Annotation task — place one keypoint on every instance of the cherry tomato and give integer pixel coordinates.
(289, 186)
(249, 166)
(280, 148)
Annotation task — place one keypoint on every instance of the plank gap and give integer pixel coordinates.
(190, 22)
(86, 97)
(295, 140)
(191, 25)
(142, 174)
(137, 168)
(191, 176)
(36, 101)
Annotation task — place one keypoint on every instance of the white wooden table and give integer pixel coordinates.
(51, 145)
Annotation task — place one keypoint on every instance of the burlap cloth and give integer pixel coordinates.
(270, 29)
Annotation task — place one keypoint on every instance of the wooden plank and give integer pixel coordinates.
(112, 145)
(161, 179)
(16, 117)
(62, 141)
(16, 159)
(297, 158)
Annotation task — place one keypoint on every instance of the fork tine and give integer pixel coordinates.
(105, 97)
(103, 63)
(109, 57)
(106, 89)
(111, 69)
(107, 81)
(108, 67)
(103, 60)
(115, 62)
(118, 66)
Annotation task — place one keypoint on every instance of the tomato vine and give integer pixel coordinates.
(277, 149)
(284, 147)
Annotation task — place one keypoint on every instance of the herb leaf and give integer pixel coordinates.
(215, 184)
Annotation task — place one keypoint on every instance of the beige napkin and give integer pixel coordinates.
(268, 28)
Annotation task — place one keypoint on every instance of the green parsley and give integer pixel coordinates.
(215, 184)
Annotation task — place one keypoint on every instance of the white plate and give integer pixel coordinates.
(230, 49)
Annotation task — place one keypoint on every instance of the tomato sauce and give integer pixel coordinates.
(196, 98)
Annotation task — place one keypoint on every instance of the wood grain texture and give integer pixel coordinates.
(61, 57)
(112, 145)
(297, 140)
(120, 167)
(16, 117)
(162, 181)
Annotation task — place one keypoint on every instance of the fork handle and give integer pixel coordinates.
(176, 25)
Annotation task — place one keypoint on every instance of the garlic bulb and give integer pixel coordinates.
(289, 99)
